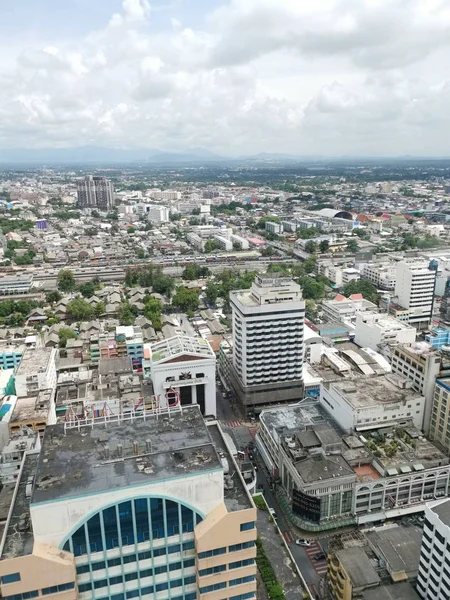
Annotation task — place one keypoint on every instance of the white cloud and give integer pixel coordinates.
(330, 77)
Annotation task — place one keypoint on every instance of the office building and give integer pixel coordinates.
(421, 364)
(383, 276)
(444, 308)
(268, 341)
(95, 192)
(328, 478)
(438, 338)
(15, 284)
(243, 243)
(433, 581)
(342, 309)
(144, 507)
(374, 329)
(414, 290)
(183, 369)
(154, 212)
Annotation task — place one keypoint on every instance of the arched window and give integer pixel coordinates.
(132, 522)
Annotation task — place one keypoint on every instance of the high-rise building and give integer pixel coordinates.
(414, 289)
(433, 581)
(444, 309)
(95, 192)
(267, 359)
(135, 506)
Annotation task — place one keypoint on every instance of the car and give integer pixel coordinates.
(302, 542)
(272, 513)
(320, 556)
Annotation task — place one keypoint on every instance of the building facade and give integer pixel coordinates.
(414, 289)
(95, 192)
(268, 344)
(433, 581)
(373, 329)
(36, 371)
(159, 517)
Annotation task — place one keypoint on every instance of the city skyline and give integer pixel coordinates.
(236, 78)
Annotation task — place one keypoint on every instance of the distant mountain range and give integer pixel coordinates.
(107, 156)
(98, 154)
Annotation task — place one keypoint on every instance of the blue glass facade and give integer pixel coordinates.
(136, 548)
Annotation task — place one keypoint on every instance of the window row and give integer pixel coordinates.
(87, 587)
(131, 558)
(145, 591)
(54, 589)
(223, 584)
(147, 572)
(220, 568)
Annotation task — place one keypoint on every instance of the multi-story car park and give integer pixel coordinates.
(329, 478)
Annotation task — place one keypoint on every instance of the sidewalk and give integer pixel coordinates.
(277, 554)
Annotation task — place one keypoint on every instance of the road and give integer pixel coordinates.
(311, 569)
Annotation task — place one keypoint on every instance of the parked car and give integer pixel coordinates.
(272, 513)
(302, 542)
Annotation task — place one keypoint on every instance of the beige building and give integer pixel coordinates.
(140, 505)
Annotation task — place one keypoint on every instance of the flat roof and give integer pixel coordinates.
(181, 344)
(395, 591)
(32, 408)
(36, 359)
(400, 546)
(97, 459)
(382, 389)
(442, 511)
(358, 566)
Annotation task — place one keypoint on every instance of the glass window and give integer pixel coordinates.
(157, 515)
(247, 526)
(50, 590)
(141, 516)
(110, 525)
(172, 518)
(11, 578)
(126, 523)
(95, 533)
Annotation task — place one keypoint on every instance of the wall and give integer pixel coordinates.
(53, 521)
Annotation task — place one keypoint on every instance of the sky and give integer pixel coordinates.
(304, 77)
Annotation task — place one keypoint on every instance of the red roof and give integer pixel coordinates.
(356, 297)
(339, 298)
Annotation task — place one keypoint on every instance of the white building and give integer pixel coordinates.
(313, 345)
(240, 241)
(186, 366)
(414, 289)
(273, 227)
(224, 243)
(36, 372)
(433, 580)
(154, 212)
(268, 339)
(382, 276)
(372, 329)
(195, 240)
(350, 274)
(420, 363)
(369, 403)
(346, 309)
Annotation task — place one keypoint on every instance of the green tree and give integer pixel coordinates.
(311, 288)
(126, 315)
(131, 230)
(99, 309)
(79, 310)
(311, 247)
(268, 251)
(87, 289)
(364, 287)
(185, 299)
(352, 246)
(152, 310)
(66, 281)
(193, 271)
(210, 246)
(66, 333)
(211, 293)
(324, 246)
(52, 296)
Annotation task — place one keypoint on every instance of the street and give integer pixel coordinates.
(311, 569)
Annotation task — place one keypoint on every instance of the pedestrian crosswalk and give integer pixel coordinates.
(320, 566)
(288, 536)
(232, 424)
